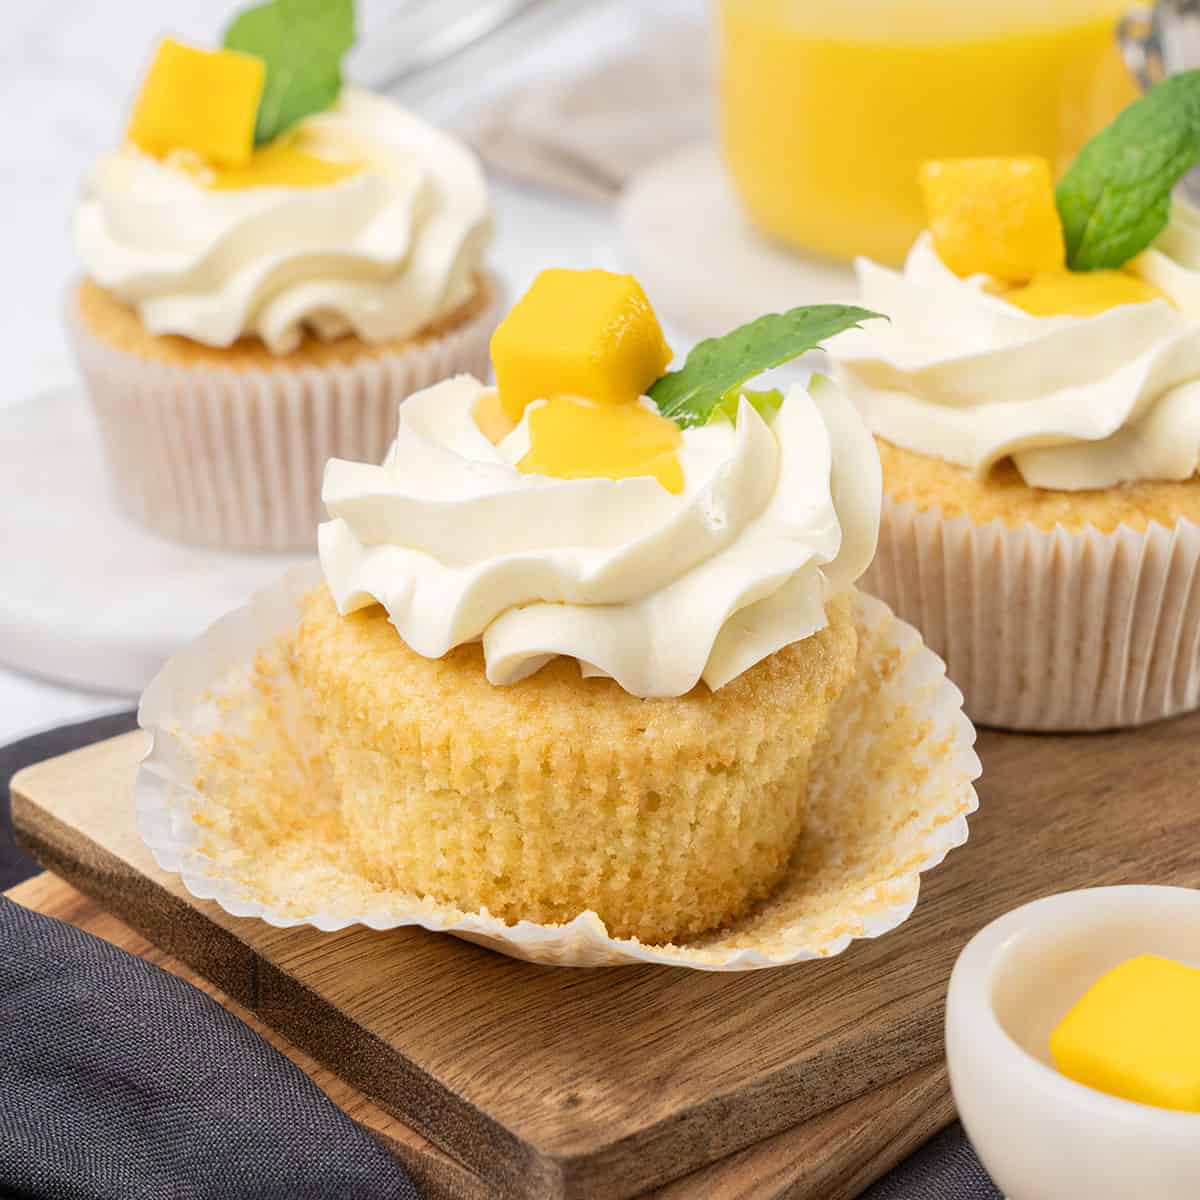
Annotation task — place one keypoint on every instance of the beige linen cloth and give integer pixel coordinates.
(588, 134)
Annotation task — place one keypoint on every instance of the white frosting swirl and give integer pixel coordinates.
(652, 589)
(380, 253)
(1076, 402)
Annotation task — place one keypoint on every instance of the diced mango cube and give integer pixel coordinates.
(1136, 1034)
(1081, 294)
(590, 334)
(200, 100)
(994, 216)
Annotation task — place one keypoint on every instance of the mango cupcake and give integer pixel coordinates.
(582, 673)
(267, 278)
(595, 681)
(1036, 401)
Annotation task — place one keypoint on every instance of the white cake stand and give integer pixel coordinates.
(86, 596)
(705, 270)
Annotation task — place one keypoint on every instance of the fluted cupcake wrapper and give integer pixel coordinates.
(233, 457)
(882, 809)
(1049, 630)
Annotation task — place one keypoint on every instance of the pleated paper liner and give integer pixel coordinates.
(234, 797)
(1049, 630)
(233, 457)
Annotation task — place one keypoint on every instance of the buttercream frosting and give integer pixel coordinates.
(1076, 402)
(381, 253)
(654, 590)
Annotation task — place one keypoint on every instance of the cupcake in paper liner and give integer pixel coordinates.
(583, 677)
(265, 285)
(1039, 430)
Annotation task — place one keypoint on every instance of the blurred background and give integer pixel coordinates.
(68, 78)
(734, 154)
(68, 81)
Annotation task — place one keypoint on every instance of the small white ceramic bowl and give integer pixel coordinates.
(1041, 1135)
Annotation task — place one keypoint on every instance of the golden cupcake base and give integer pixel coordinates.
(560, 794)
(226, 447)
(1002, 495)
(238, 797)
(1083, 624)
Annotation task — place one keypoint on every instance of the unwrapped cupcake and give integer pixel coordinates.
(273, 261)
(584, 671)
(481, 659)
(1036, 400)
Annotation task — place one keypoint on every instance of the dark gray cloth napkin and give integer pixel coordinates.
(945, 1168)
(118, 1080)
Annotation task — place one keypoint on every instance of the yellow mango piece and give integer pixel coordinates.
(281, 164)
(205, 101)
(994, 216)
(494, 423)
(1081, 294)
(578, 333)
(574, 439)
(1136, 1034)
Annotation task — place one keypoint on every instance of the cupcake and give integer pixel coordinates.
(1036, 402)
(266, 279)
(577, 644)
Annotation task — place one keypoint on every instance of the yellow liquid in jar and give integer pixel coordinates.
(828, 111)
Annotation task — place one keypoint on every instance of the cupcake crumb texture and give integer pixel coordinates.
(560, 794)
(931, 483)
(891, 784)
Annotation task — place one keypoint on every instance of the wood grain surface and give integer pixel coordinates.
(873, 1132)
(555, 1083)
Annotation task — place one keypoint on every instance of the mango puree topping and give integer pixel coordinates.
(1080, 293)
(1136, 1034)
(574, 439)
(998, 217)
(494, 423)
(282, 163)
(589, 345)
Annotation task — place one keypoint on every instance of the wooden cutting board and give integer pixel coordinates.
(810, 1160)
(561, 1083)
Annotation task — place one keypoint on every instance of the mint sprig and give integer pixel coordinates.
(303, 43)
(1116, 197)
(719, 366)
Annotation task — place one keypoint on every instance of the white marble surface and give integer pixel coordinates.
(67, 71)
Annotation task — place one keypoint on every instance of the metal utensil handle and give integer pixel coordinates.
(1140, 39)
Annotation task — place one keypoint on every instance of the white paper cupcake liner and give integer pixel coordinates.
(889, 797)
(1049, 630)
(228, 457)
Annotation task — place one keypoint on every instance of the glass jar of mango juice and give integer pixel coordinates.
(827, 109)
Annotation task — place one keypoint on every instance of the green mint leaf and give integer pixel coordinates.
(766, 404)
(1116, 197)
(718, 366)
(302, 42)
